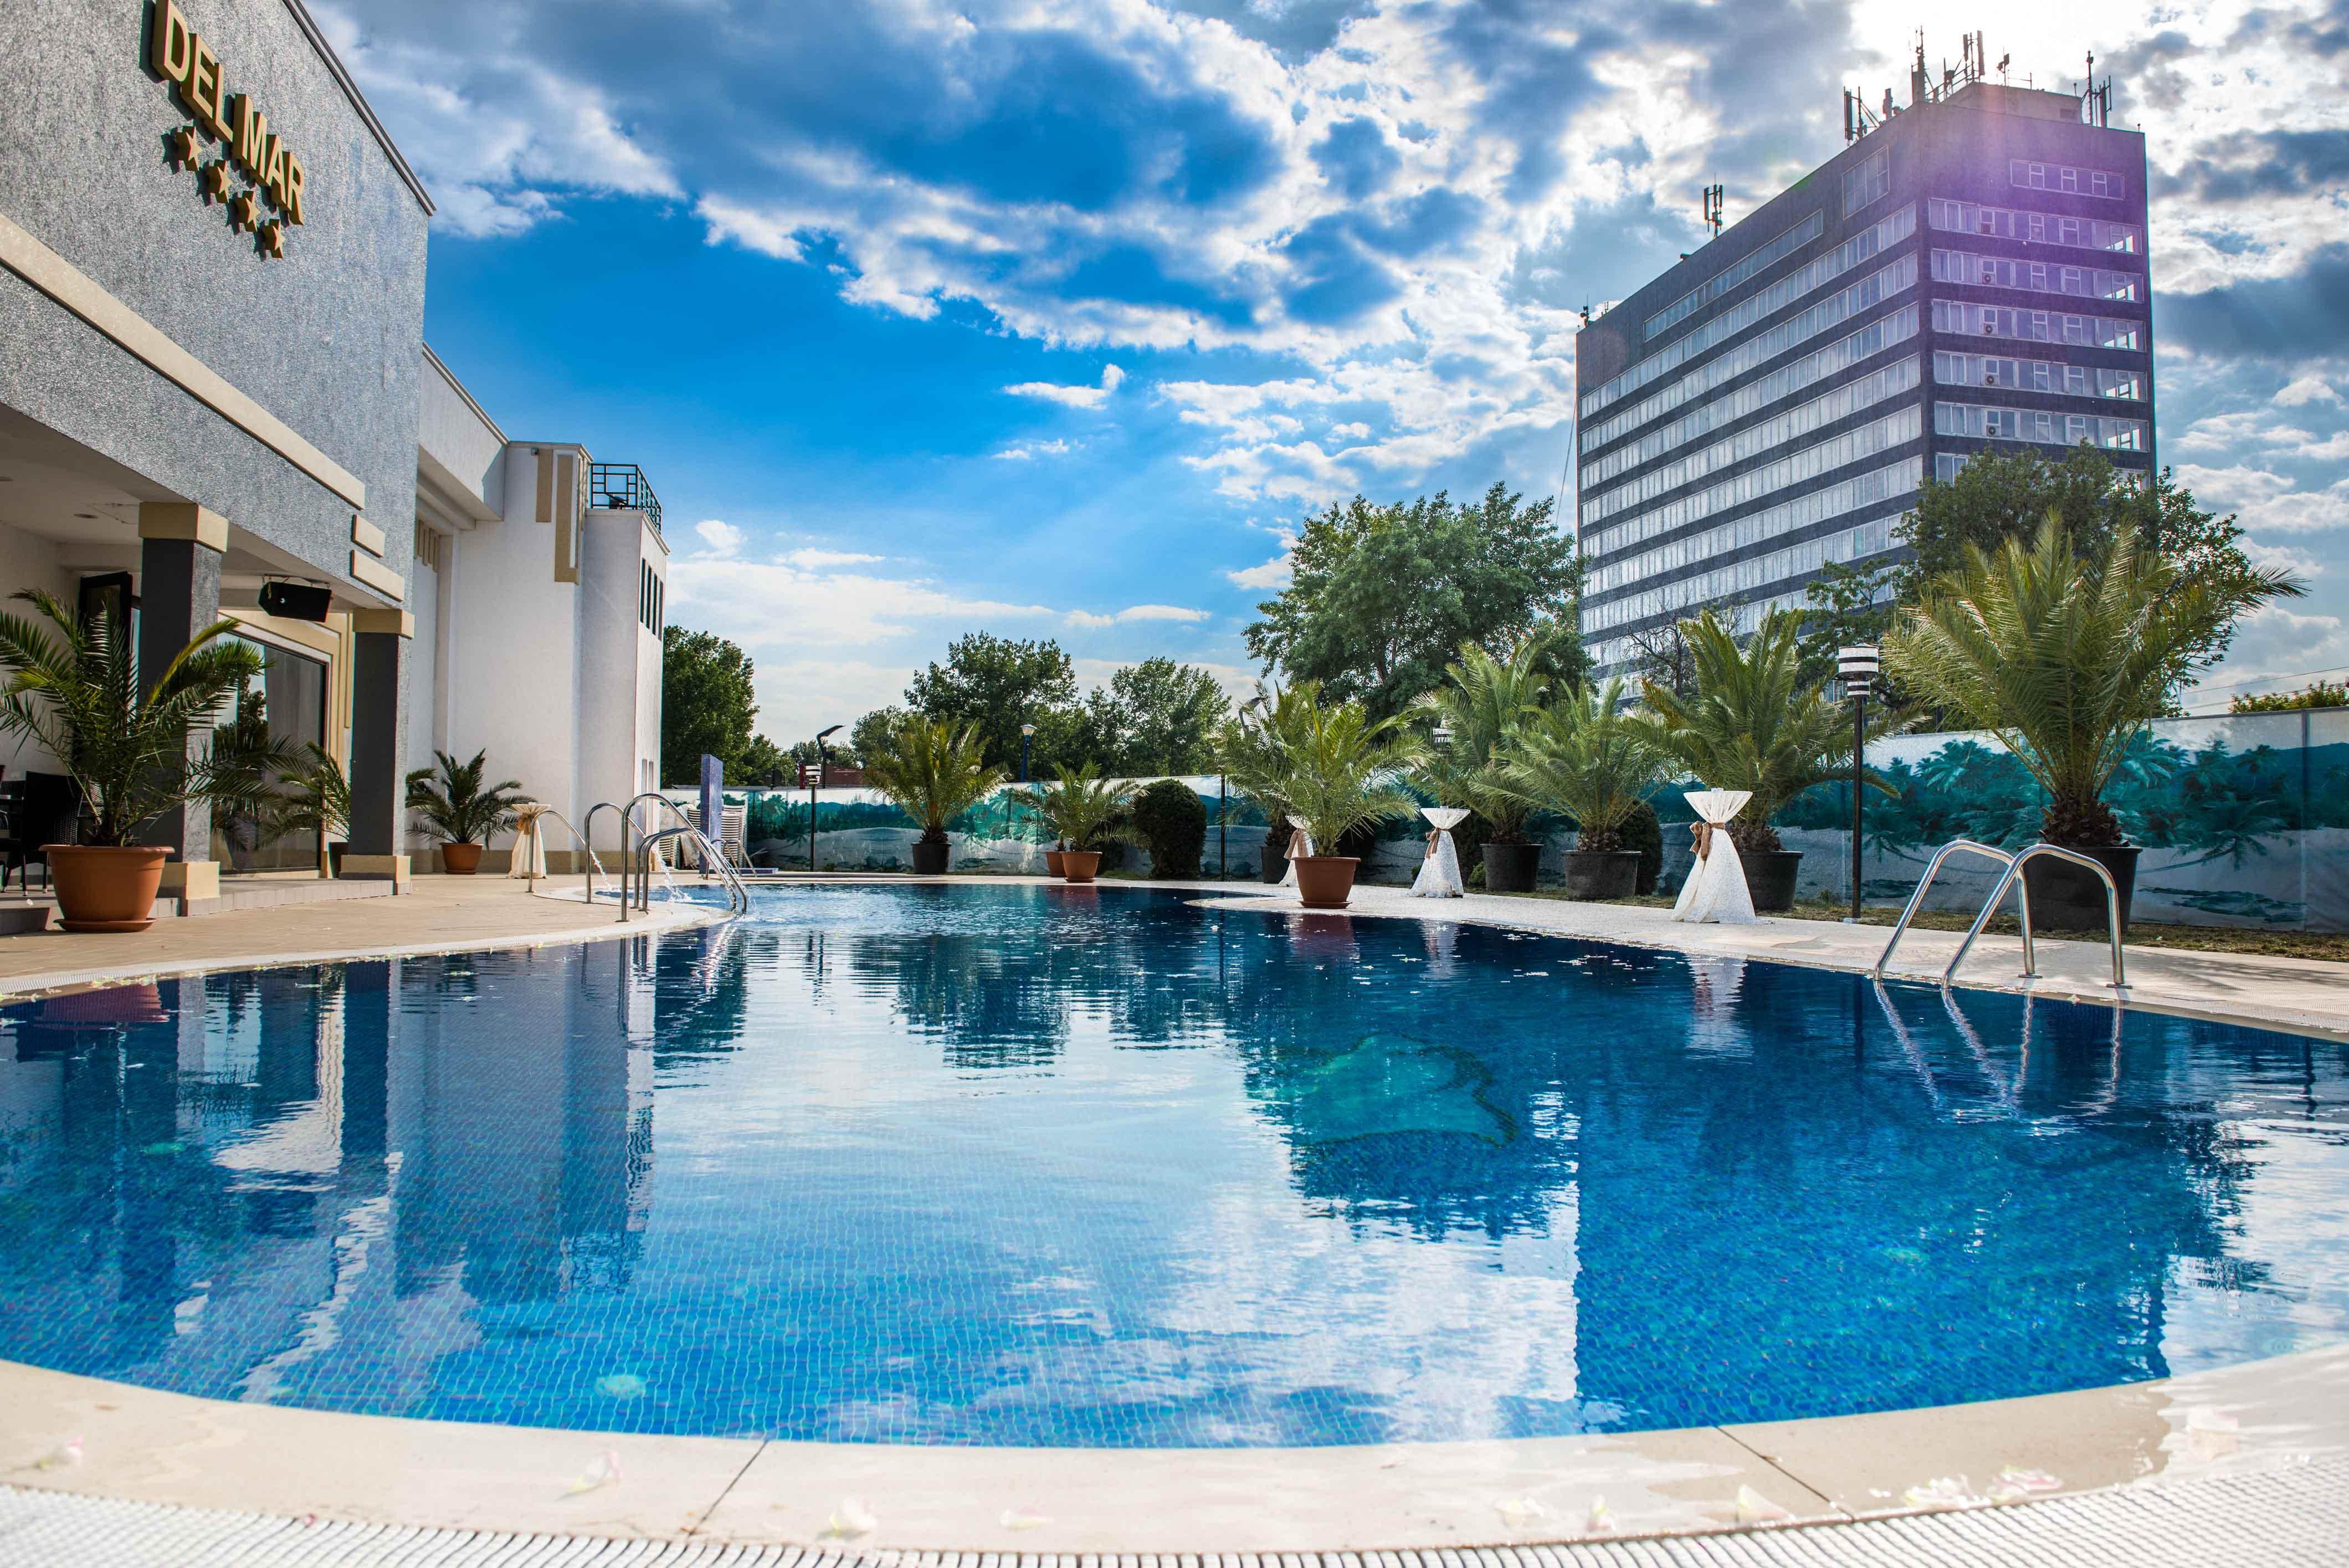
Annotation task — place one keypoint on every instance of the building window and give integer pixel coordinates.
(1713, 288)
(1867, 183)
(2064, 177)
(1863, 392)
(1872, 538)
(2037, 326)
(1729, 407)
(2043, 278)
(2034, 228)
(2037, 375)
(1861, 248)
(2043, 426)
(285, 702)
(1755, 528)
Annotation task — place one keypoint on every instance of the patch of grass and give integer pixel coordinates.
(2332, 947)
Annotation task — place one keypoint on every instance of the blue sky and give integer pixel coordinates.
(1051, 317)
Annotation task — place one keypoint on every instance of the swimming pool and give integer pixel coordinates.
(1048, 1166)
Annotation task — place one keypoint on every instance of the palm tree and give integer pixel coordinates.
(1338, 768)
(457, 807)
(1251, 745)
(2067, 658)
(73, 688)
(1581, 756)
(317, 799)
(933, 771)
(1483, 701)
(1081, 808)
(1753, 725)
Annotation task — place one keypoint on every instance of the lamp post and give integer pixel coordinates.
(1027, 735)
(820, 757)
(1858, 667)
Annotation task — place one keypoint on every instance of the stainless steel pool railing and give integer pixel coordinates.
(595, 866)
(626, 826)
(713, 859)
(2011, 878)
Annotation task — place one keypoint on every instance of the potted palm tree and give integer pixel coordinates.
(1583, 757)
(459, 810)
(1084, 811)
(1336, 769)
(1249, 750)
(73, 688)
(1754, 725)
(933, 771)
(1479, 706)
(317, 799)
(2067, 658)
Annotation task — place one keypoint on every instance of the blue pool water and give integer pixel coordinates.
(1054, 1166)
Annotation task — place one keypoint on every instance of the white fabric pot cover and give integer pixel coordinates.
(1715, 890)
(1300, 846)
(1439, 871)
(530, 846)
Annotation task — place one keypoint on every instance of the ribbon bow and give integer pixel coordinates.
(1700, 837)
(1434, 835)
(1296, 843)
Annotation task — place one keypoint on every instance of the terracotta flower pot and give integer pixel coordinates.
(1081, 864)
(461, 860)
(1054, 860)
(102, 888)
(1325, 882)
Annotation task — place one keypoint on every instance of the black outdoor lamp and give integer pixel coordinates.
(821, 756)
(1858, 667)
(1027, 735)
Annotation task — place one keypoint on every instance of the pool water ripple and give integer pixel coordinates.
(1045, 1166)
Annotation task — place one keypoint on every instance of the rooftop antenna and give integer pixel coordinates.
(1586, 313)
(1713, 208)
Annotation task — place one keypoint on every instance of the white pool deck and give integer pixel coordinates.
(2258, 1454)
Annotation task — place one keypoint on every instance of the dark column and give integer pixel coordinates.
(378, 730)
(179, 595)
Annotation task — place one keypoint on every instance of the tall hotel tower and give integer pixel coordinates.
(1969, 273)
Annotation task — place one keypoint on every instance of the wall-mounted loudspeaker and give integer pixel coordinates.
(295, 601)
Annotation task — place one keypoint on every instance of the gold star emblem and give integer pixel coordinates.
(216, 180)
(272, 239)
(181, 147)
(242, 212)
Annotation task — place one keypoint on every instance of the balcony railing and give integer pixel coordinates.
(620, 485)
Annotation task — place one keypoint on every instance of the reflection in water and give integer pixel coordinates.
(1052, 1166)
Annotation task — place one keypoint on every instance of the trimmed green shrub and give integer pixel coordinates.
(1642, 832)
(1171, 820)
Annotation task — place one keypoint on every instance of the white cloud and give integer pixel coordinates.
(2305, 390)
(1027, 450)
(1353, 430)
(814, 560)
(719, 537)
(1135, 612)
(1072, 397)
(1273, 575)
(2268, 502)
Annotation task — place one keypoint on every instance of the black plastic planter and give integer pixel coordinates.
(1770, 878)
(2068, 898)
(1601, 873)
(930, 858)
(1511, 868)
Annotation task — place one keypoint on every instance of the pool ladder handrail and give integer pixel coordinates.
(2011, 878)
(628, 825)
(595, 866)
(737, 894)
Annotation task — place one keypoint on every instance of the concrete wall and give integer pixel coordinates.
(29, 561)
(324, 338)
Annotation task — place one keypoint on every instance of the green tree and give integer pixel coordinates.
(1169, 713)
(996, 684)
(866, 737)
(1172, 822)
(764, 763)
(707, 703)
(2000, 498)
(2323, 694)
(1383, 597)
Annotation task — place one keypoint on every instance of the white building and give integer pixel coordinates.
(540, 585)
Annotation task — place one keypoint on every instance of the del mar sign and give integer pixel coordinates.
(177, 54)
